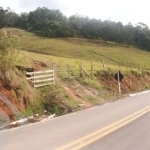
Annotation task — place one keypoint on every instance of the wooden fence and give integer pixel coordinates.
(41, 78)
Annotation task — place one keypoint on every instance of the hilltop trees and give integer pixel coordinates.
(8, 18)
(22, 21)
(52, 23)
(142, 39)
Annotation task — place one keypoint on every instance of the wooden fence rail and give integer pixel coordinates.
(41, 78)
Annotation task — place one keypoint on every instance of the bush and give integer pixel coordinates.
(8, 54)
(53, 99)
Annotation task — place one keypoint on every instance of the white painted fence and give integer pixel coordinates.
(41, 78)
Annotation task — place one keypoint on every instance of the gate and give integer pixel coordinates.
(41, 78)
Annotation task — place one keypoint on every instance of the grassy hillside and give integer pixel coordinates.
(83, 49)
(67, 53)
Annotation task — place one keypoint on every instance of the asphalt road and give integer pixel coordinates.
(134, 136)
(58, 132)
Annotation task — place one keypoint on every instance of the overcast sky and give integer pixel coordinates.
(126, 11)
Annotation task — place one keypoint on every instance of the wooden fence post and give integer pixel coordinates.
(103, 65)
(91, 68)
(81, 67)
(68, 70)
(34, 80)
(53, 76)
(120, 67)
(52, 66)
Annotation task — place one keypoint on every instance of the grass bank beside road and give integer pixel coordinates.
(100, 60)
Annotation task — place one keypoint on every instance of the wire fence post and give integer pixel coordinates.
(81, 67)
(103, 65)
(120, 66)
(92, 68)
(68, 70)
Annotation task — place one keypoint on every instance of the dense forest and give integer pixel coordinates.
(52, 23)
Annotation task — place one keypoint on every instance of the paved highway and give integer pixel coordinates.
(134, 136)
(121, 121)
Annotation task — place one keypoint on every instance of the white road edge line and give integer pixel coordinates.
(93, 107)
(134, 94)
(30, 124)
(107, 104)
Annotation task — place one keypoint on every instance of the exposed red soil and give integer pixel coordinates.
(8, 94)
(130, 83)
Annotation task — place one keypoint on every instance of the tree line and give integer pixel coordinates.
(52, 23)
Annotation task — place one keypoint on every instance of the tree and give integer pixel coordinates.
(129, 34)
(76, 23)
(90, 28)
(3, 17)
(106, 30)
(22, 21)
(8, 18)
(142, 39)
(50, 23)
(142, 25)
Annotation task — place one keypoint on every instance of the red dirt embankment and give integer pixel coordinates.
(130, 83)
(8, 94)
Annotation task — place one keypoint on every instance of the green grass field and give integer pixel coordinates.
(71, 51)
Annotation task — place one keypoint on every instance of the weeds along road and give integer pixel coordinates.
(87, 129)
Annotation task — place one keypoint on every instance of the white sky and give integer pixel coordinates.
(133, 11)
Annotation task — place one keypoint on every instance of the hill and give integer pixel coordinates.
(83, 49)
(73, 88)
(52, 23)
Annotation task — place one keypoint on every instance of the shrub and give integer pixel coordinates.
(8, 54)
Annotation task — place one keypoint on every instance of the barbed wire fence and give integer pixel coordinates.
(90, 68)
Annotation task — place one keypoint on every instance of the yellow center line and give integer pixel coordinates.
(104, 131)
(108, 132)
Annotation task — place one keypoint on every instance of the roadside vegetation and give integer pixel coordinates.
(72, 90)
